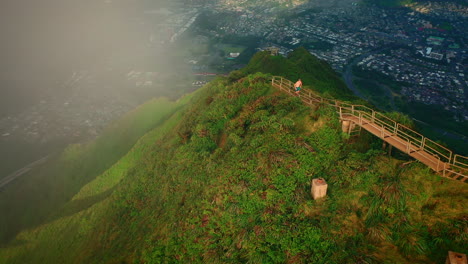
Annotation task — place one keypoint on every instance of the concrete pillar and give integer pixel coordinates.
(319, 188)
(345, 126)
(456, 258)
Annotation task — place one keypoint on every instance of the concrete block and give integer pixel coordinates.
(345, 126)
(319, 188)
(456, 258)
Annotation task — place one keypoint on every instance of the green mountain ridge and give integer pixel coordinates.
(314, 73)
(226, 179)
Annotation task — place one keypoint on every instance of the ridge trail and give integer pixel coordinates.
(437, 157)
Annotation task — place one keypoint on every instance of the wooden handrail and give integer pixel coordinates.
(371, 116)
(461, 161)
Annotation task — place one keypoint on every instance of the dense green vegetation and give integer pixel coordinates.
(315, 73)
(380, 77)
(226, 179)
(437, 119)
(30, 200)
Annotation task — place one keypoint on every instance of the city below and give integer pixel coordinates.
(411, 55)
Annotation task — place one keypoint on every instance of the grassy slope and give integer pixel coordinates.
(47, 189)
(227, 181)
(60, 241)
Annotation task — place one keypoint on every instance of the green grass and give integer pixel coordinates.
(227, 180)
(79, 216)
(31, 199)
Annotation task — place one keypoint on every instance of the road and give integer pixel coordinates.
(22, 171)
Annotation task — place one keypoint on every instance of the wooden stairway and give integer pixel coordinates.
(428, 152)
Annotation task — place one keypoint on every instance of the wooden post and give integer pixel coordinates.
(345, 126)
(319, 188)
(456, 258)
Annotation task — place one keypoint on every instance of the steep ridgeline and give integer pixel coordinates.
(227, 180)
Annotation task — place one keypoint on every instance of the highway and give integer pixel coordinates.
(8, 179)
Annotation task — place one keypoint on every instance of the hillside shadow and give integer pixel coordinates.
(68, 208)
(77, 206)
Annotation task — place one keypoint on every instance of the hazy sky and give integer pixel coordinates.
(43, 40)
(57, 32)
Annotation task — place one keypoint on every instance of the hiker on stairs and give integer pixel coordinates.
(298, 86)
